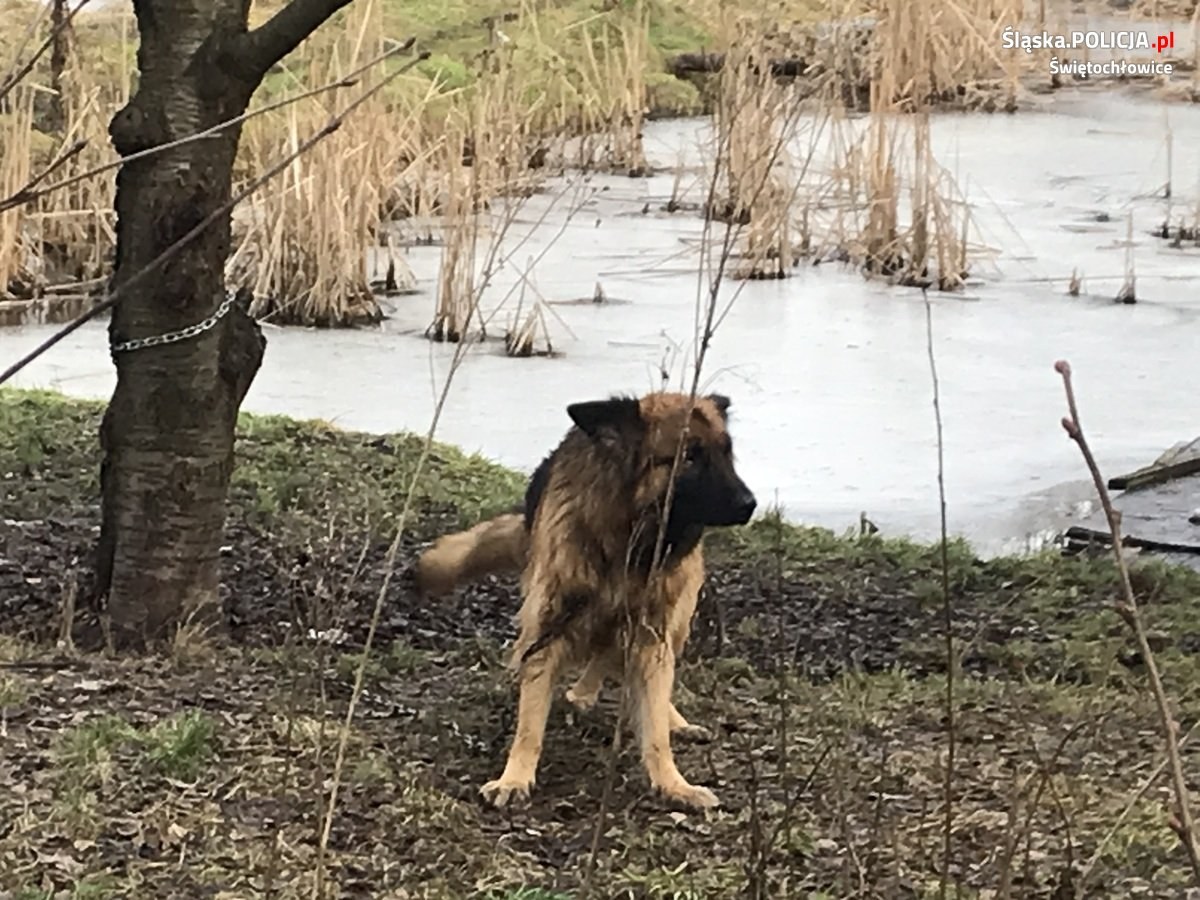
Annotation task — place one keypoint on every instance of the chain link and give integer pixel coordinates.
(172, 337)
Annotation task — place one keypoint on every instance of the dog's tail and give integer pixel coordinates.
(499, 545)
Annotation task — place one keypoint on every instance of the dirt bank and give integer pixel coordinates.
(817, 663)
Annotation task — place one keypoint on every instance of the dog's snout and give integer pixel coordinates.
(746, 504)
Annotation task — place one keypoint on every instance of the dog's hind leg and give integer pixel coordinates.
(653, 674)
(682, 728)
(584, 693)
(539, 675)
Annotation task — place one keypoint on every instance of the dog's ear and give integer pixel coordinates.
(721, 402)
(613, 416)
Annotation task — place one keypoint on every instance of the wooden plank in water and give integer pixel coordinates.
(1152, 518)
(1178, 462)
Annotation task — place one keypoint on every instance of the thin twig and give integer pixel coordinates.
(334, 123)
(1181, 822)
(27, 194)
(14, 78)
(492, 263)
(947, 612)
(1081, 890)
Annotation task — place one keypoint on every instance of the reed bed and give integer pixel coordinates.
(20, 269)
(614, 76)
(755, 126)
(487, 176)
(302, 248)
(64, 240)
(929, 52)
(76, 225)
(896, 212)
(885, 203)
(554, 89)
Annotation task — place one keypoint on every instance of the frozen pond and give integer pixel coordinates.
(828, 372)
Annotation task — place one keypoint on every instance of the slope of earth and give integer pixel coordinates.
(818, 664)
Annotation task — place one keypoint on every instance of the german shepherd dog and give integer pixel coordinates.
(593, 595)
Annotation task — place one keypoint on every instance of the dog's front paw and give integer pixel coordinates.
(504, 792)
(690, 795)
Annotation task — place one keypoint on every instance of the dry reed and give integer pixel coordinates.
(930, 52)
(756, 124)
(66, 236)
(77, 224)
(460, 234)
(614, 81)
(302, 248)
(484, 159)
(889, 174)
(528, 323)
(20, 274)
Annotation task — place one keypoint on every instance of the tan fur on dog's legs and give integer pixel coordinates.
(653, 676)
(538, 678)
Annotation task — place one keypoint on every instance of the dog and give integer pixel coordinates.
(608, 582)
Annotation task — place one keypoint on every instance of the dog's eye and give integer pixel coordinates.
(693, 453)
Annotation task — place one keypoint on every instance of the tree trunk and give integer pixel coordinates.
(168, 432)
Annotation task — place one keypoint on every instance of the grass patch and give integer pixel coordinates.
(455, 34)
(177, 746)
(284, 467)
(98, 887)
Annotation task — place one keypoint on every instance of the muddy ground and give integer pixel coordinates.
(818, 664)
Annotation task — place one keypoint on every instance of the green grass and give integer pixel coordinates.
(179, 746)
(176, 746)
(97, 887)
(285, 468)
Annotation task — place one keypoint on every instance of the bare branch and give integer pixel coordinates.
(1181, 821)
(17, 73)
(283, 32)
(947, 615)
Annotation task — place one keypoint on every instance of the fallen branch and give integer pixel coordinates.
(1181, 821)
(708, 63)
(1154, 474)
